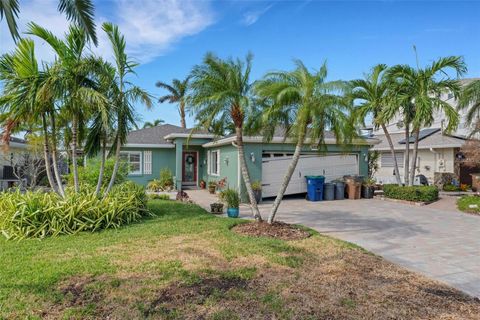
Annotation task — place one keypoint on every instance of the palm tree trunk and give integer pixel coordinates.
(286, 179)
(182, 114)
(245, 174)
(414, 157)
(102, 167)
(115, 167)
(54, 155)
(74, 153)
(46, 154)
(392, 150)
(407, 154)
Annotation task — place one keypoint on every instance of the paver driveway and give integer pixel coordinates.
(441, 244)
(436, 241)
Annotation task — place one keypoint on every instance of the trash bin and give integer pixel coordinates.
(353, 189)
(328, 191)
(339, 190)
(315, 187)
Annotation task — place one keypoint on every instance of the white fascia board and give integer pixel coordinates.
(188, 135)
(259, 139)
(441, 146)
(148, 145)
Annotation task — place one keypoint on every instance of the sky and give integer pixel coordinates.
(168, 37)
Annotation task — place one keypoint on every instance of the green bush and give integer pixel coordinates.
(155, 196)
(465, 202)
(89, 174)
(231, 197)
(39, 214)
(165, 182)
(411, 193)
(451, 187)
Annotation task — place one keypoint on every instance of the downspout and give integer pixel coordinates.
(436, 159)
(239, 180)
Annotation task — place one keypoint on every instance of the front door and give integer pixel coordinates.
(189, 167)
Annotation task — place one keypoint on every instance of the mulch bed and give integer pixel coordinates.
(278, 230)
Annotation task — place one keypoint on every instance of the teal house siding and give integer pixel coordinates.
(228, 166)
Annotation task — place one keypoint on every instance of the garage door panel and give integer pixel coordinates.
(331, 166)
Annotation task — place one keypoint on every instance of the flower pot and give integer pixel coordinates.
(203, 184)
(368, 192)
(216, 208)
(258, 195)
(233, 212)
(211, 189)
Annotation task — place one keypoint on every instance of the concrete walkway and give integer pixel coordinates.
(440, 243)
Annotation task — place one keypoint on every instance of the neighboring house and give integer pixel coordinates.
(438, 151)
(8, 159)
(195, 156)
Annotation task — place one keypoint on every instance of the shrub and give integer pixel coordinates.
(155, 196)
(256, 185)
(166, 178)
(89, 174)
(39, 215)
(231, 197)
(451, 187)
(154, 185)
(411, 193)
(465, 202)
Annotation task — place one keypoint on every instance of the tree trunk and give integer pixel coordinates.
(392, 150)
(414, 157)
(115, 167)
(54, 155)
(46, 154)
(102, 167)
(407, 154)
(286, 179)
(245, 174)
(182, 114)
(74, 153)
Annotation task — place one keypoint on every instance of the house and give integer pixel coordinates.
(193, 156)
(439, 152)
(9, 156)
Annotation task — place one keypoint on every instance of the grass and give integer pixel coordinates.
(465, 202)
(187, 264)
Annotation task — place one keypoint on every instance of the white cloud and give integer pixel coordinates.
(251, 17)
(150, 27)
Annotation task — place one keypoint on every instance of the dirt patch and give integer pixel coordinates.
(76, 293)
(178, 295)
(278, 230)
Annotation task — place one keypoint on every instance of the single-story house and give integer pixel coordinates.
(8, 159)
(193, 156)
(437, 153)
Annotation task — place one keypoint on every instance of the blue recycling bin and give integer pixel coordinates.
(315, 188)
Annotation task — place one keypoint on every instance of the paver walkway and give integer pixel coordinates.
(439, 243)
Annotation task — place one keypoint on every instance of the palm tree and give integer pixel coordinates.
(177, 94)
(220, 91)
(470, 98)
(24, 99)
(155, 123)
(306, 105)
(421, 89)
(125, 95)
(374, 96)
(73, 81)
(80, 12)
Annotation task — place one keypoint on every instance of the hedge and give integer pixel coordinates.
(411, 193)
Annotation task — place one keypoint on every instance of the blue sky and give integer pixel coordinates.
(170, 36)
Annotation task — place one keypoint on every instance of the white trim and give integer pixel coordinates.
(135, 173)
(147, 162)
(148, 145)
(445, 146)
(259, 139)
(188, 135)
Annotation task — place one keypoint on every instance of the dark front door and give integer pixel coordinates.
(465, 174)
(189, 167)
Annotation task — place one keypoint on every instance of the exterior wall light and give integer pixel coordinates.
(226, 160)
(252, 157)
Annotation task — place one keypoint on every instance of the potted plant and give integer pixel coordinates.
(232, 199)
(212, 186)
(257, 190)
(368, 189)
(203, 184)
(216, 208)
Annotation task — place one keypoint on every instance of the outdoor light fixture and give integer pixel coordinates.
(252, 157)
(226, 160)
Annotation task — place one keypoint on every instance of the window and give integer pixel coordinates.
(214, 162)
(134, 160)
(387, 159)
(147, 162)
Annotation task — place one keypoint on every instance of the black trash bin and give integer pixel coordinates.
(339, 190)
(328, 191)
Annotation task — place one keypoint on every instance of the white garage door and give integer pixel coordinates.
(332, 167)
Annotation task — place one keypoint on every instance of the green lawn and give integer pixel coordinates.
(465, 202)
(185, 263)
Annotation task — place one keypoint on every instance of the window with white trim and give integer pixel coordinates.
(214, 162)
(387, 159)
(134, 161)
(147, 162)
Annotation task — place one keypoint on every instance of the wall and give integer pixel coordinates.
(426, 159)
(227, 170)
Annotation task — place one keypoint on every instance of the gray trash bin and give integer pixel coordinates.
(339, 190)
(328, 191)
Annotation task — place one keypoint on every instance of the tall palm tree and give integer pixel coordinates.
(421, 88)
(126, 94)
(177, 93)
(80, 12)
(155, 123)
(74, 81)
(374, 95)
(470, 98)
(306, 105)
(220, 91)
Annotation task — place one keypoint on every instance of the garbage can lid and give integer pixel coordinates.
(315, 177)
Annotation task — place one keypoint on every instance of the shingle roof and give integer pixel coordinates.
(156, 135)
(435, 140)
